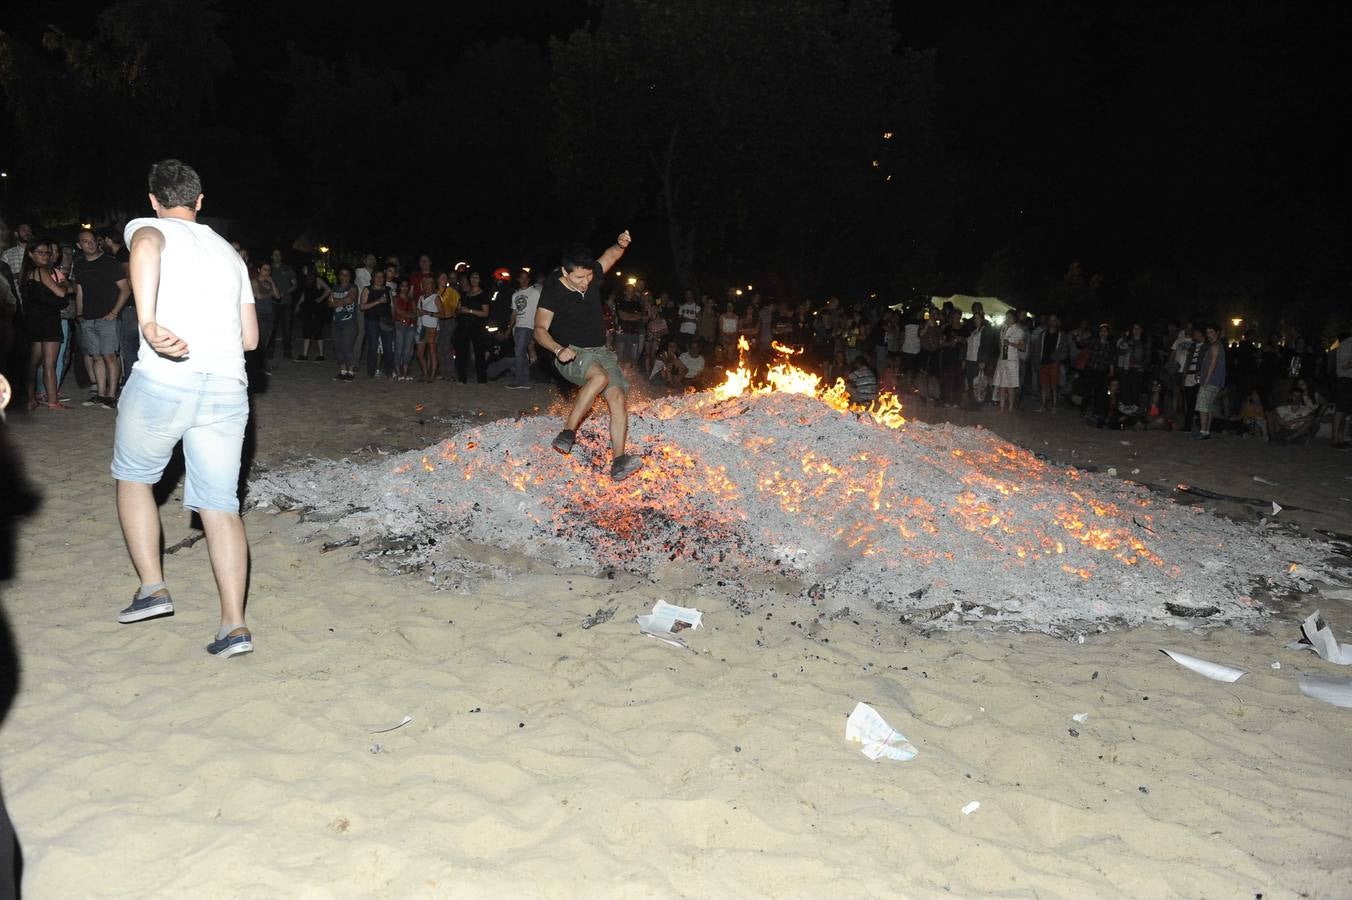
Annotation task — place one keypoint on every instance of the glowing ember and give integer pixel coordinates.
(786, 477)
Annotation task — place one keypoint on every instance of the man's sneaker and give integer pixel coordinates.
(237, 641)
(157, 604)
(564, 442)
(92, 400)
(108, 402)
(625, 464)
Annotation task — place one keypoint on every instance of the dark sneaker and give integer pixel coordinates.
(319, 358)
(93, 400)
(564, 442)
(237, 641)
(108, 402)
(625, 464)
(157, 604)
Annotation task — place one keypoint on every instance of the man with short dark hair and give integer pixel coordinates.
(569, 323)
(102, 291)
(195, 307)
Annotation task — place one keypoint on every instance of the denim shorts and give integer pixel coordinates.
(207, 412)
(99, 337)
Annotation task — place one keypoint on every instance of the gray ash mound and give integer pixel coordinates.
(918, 520)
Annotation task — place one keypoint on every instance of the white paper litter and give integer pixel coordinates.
(1112, 471)
(1214, 671)
(401, 724)
(1337, 691)
(1261, 480)
(1081, 717)
(1276, 507)
(667, 620)
(971, 807)
(1322, 641)
(867, 727)
(1276, 664)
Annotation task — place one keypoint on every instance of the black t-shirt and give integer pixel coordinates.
(474, 301)
(578, 320)
(500, 305)
(98, 280)
(632, 306)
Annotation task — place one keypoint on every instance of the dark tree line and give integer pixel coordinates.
(740, 138)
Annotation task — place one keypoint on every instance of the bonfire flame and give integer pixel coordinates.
(784, 377)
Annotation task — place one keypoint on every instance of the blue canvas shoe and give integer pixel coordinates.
(157, 604)
(237, 641)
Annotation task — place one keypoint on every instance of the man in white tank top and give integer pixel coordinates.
(196, 315)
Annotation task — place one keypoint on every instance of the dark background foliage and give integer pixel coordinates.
(1148, 156)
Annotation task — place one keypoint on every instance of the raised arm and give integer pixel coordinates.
(614, 252)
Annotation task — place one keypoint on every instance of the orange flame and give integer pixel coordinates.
(784, 377)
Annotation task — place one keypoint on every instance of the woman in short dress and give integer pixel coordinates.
(43, 300)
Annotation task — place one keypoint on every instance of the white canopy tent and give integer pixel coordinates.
(994, 307)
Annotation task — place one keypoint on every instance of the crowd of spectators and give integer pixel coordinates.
(68, 308)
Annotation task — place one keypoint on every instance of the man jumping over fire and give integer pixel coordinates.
(569, 324)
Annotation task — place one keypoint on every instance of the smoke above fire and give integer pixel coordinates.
(780, 475)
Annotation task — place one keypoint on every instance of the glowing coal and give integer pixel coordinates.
(895, 516)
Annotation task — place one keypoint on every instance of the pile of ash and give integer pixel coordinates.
(942, 523)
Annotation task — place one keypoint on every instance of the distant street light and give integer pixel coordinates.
(323, 248)
(1236, 321)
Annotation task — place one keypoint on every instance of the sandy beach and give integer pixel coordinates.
(548, 760)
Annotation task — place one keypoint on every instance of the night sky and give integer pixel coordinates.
(1145, 137)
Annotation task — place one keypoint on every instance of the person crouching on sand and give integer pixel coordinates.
(569, 324)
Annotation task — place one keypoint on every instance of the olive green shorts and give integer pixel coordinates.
(575, 370)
